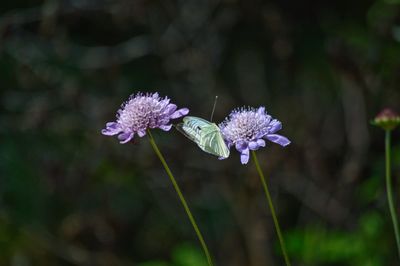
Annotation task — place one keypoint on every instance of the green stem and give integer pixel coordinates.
(181, 197)
(389, 191)
(271, 206)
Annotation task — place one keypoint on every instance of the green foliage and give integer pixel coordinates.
(182, 255)
(317, 245)
(187, 255)
(369, 242)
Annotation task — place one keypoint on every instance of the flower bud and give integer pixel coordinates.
(387, 119)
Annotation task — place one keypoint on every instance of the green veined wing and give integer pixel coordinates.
(212, 141)
(206, 135)
(191, 127)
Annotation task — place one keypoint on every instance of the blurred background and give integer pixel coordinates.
(70, 196)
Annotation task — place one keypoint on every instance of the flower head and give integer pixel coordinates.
(386, 119)
(141, 112)
(248, 128)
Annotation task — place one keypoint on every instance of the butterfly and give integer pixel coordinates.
(205, 134)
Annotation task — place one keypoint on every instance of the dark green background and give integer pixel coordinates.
(70, 196)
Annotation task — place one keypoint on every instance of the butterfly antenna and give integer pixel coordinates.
(215, 104)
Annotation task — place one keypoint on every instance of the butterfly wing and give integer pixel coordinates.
(196, 122)
(213, 142)
(188, 132)
(191, 127)
(205, 134)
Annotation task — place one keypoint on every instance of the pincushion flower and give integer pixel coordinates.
(142, 112)
(248, 128)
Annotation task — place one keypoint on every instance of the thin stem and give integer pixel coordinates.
(271, 207)
(181, 197)
(389, 191)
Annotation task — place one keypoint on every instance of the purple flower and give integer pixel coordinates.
(141, 112)
(248, 128)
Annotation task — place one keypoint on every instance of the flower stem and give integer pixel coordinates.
(271, 206)
(389, 190)
(181, 197)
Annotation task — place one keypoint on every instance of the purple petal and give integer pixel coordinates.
(281, 140)
(162, 121)
(261, 110)
(165, 127)
(275, 126)
(171, 108)
(253, 145)
(109, 132)
(180, 113)
(261, 142)
(141, 133)
(244, 156)
(260, 135)
(125, 137)
(241, 145)
(112, 128)
(229, 144)
(112, 125)
(164, 102)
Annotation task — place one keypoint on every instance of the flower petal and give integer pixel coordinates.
(275, 125)
(229, 144)
(260, 134)
(112, 128)
(112, 125)
(170, 109)
(261, 110)
(281, 140)
(166, 127)
(108, 132)
(164, 102)
(125, 137)
(241, 145)
(253, 145)
(244, 156)
(141, 133)
(105, 132)
(180, 113)
(261, 142)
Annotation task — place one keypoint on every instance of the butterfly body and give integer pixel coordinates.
(205, 134)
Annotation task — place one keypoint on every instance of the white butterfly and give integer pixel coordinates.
(205, 134)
